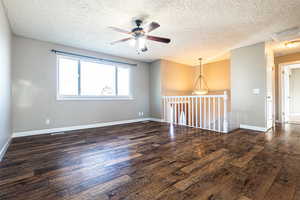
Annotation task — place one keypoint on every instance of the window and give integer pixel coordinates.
(87, 79)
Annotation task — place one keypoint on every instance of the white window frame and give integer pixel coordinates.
(98, 97)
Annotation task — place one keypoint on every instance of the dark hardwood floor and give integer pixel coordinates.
(153, 161)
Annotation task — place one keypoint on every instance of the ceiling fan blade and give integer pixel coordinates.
(158, 39)
(150, 27)
(119, 30)
(122, 40)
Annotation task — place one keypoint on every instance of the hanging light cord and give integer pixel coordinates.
(199, 80)
(200, 77)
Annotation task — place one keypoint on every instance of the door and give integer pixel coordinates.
(294, 95)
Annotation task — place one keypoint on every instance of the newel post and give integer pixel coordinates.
(164, 114)
(225, 122)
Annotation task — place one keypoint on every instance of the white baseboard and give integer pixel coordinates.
(4, 149)
(294, 114)
(71, 128)
(254, 128)
(156, 120)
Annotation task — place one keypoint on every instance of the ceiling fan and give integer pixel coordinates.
(139, 35)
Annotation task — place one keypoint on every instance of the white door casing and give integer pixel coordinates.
(270, 95)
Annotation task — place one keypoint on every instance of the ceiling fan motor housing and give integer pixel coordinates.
(138, 31)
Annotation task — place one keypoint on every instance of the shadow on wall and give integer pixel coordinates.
(177, 93)
(179, 79)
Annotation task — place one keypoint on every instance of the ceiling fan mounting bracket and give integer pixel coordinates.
(138, 31)
(138, 22)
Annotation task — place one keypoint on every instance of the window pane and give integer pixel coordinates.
(68, 76)
(123, 81)
(97, 79)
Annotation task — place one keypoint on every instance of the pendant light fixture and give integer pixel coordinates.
(200, 87)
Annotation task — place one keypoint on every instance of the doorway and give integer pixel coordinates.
(290, 93)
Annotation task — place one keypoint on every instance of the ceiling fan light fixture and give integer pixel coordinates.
(132, 42)
(141, 42)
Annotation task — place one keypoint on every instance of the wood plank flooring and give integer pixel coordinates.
(153, 161)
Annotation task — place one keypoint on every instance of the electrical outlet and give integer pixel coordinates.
(141, 114)
(47, 121)
(256, 91)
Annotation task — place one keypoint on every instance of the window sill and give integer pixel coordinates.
(94, 98)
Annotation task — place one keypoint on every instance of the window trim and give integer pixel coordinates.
(92, 97)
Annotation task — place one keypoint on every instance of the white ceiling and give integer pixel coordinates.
(206, 28)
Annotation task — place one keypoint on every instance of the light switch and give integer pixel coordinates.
(256, 91)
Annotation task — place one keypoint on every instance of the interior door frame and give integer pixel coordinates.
(281, 89)
(272, 98)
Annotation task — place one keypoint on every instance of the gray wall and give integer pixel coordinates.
(34, 91)
(248, 71)
(5, 79)
(295, 90)
(155, 89)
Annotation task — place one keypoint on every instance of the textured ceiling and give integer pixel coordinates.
(206, 28)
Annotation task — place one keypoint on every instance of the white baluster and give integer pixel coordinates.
(176, 103)
(196, 112)
(204, 113)
(214, 113)
(185, 110)
(181, 112)
(225, 125)
(190, 110)
(175, 109)
(209, 112)
(200, 113)
(164, 109)
(178, 109)
(170, 112)
(193, 116)
(219, 114)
